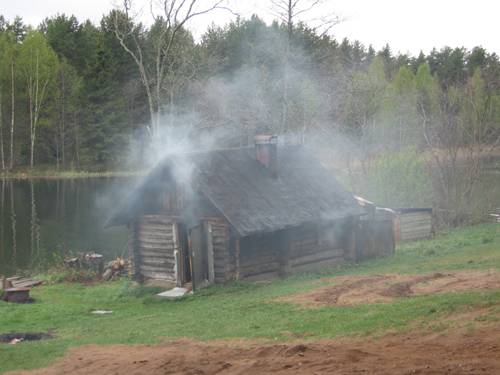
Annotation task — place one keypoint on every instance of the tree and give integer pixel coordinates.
(3, 73)
(152, 53)
(363, 100)
(290, 13)
(2, 154)
(460, 126)
(399, 127)
(58, 130)
(38, 64)
(8, 55)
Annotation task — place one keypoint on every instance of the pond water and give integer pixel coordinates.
(42, 220)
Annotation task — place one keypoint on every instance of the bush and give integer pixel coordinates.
(399, 180)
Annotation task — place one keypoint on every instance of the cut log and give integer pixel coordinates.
(17, 295)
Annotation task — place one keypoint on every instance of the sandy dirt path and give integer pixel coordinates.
(465, 352)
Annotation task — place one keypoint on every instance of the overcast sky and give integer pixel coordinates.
(408, 26)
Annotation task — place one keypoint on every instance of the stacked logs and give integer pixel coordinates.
(116, 268)
(95, 263)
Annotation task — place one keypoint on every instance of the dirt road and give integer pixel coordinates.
(476, 352)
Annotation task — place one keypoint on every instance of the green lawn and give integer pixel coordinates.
(246, 310)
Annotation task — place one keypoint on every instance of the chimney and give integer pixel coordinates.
(266, 152)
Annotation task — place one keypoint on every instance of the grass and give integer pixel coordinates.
(244, 309)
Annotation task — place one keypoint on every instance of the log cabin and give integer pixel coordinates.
(252, 213)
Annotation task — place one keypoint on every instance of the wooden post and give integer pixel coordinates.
(352, 246)
(284, 254)
(237, 259)
(210, 253)
(177, 261)
(135, 250)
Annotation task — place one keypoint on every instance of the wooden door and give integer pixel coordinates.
(198, 255)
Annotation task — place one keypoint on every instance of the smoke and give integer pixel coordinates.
(275, 88)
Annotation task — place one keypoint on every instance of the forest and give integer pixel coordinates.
(81, 96)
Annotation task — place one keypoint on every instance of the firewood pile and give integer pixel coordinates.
(116, 268)
(95, 262)
(91, 261)
(17, 289)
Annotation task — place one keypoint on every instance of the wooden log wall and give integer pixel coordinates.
(375, 238)
(133, 254)
(415, 225)
(313, 247)
(155, 244)
(259, 257)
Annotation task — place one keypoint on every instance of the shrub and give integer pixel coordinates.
(399, 179)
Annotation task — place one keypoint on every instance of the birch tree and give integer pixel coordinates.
(152, 51)
(2, 155)
(8, 52)
(314, 14)
(38, 65)
(3, 71)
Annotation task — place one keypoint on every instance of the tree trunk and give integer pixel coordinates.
(77, 140)
(286, 56)
(12, 114)
(14, 227)
(2, 155)
(57, 152)
(63, 119)
(30, 98)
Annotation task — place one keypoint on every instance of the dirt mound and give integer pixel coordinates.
(476, 352)
(352, 290)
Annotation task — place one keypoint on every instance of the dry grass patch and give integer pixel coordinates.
(354, 290)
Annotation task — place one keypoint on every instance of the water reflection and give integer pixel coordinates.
(13, 223)
(42, 220)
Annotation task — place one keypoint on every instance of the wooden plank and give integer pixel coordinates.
(210, 253)
(157, 254)
(158, 261)
(156, 235)
(257, 260)
(156, 227)
(412, 225)
(163, 234)
(261, 268)
(237, 258)
(26, 283)
(156, 247)
(418, 224)
(163, 272)
(416, 232)
(157, 276)
(262, 276)
(332, 262)
(157, 243)
(157, 218)
(317, 257)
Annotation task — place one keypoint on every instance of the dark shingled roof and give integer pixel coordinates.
(253, 201)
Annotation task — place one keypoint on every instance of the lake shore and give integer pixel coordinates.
(26, 174)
